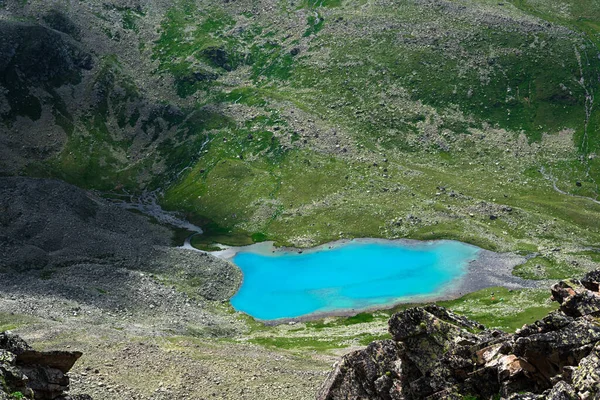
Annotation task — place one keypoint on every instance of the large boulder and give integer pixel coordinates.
(35, 374)
(579, 297)
(365, 374)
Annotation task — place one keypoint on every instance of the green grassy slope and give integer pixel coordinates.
(304, 122)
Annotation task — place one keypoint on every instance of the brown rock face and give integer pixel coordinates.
(36, 374)
(436, 355)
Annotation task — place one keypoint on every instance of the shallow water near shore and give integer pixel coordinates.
(349, 276)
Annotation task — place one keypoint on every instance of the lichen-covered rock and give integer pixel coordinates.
(586, 377)
(562, 391)
(578, 297)
(550, 352)
(440, 355)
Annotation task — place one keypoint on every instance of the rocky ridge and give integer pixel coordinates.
(31, 374)
(437, 354)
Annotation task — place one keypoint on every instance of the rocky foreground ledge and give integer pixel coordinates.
(29, 374)
(436, 354)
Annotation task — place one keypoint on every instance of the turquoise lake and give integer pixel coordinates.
(351, 276)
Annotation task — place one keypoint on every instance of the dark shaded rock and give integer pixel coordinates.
(198, 76)
(60, 22)
(36, 212)
(367, 374)
(13, 344)
(36, 374)
(33, 56)
(40, 55)
(591, 280)
(552, 322)
(218, 57)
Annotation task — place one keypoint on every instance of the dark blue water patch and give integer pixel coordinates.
(352, 276)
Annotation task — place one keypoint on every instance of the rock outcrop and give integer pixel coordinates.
(436, 354)
(31, 374)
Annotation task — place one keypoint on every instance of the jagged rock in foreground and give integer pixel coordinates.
(436, 354)
(31, 374)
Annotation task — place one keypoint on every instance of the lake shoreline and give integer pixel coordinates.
(268, 247)
(488, 269)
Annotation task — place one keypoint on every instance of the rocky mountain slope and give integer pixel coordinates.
(66, 253)
(436, 354)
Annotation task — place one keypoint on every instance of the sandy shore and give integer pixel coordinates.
(487, 270)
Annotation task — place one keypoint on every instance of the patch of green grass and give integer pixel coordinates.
(593, 254)
(495, 307)
(502, 308)
(188, 33)
(545, 268)
(358, 319)
(259, 237)
(46, 274)
(321, 343)
(213, 234)
(10, 321)
(270, 60)
(315, 24)
(17, 395)
(320, 3)
(366, 338)
(130, 19)
(179, 236)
